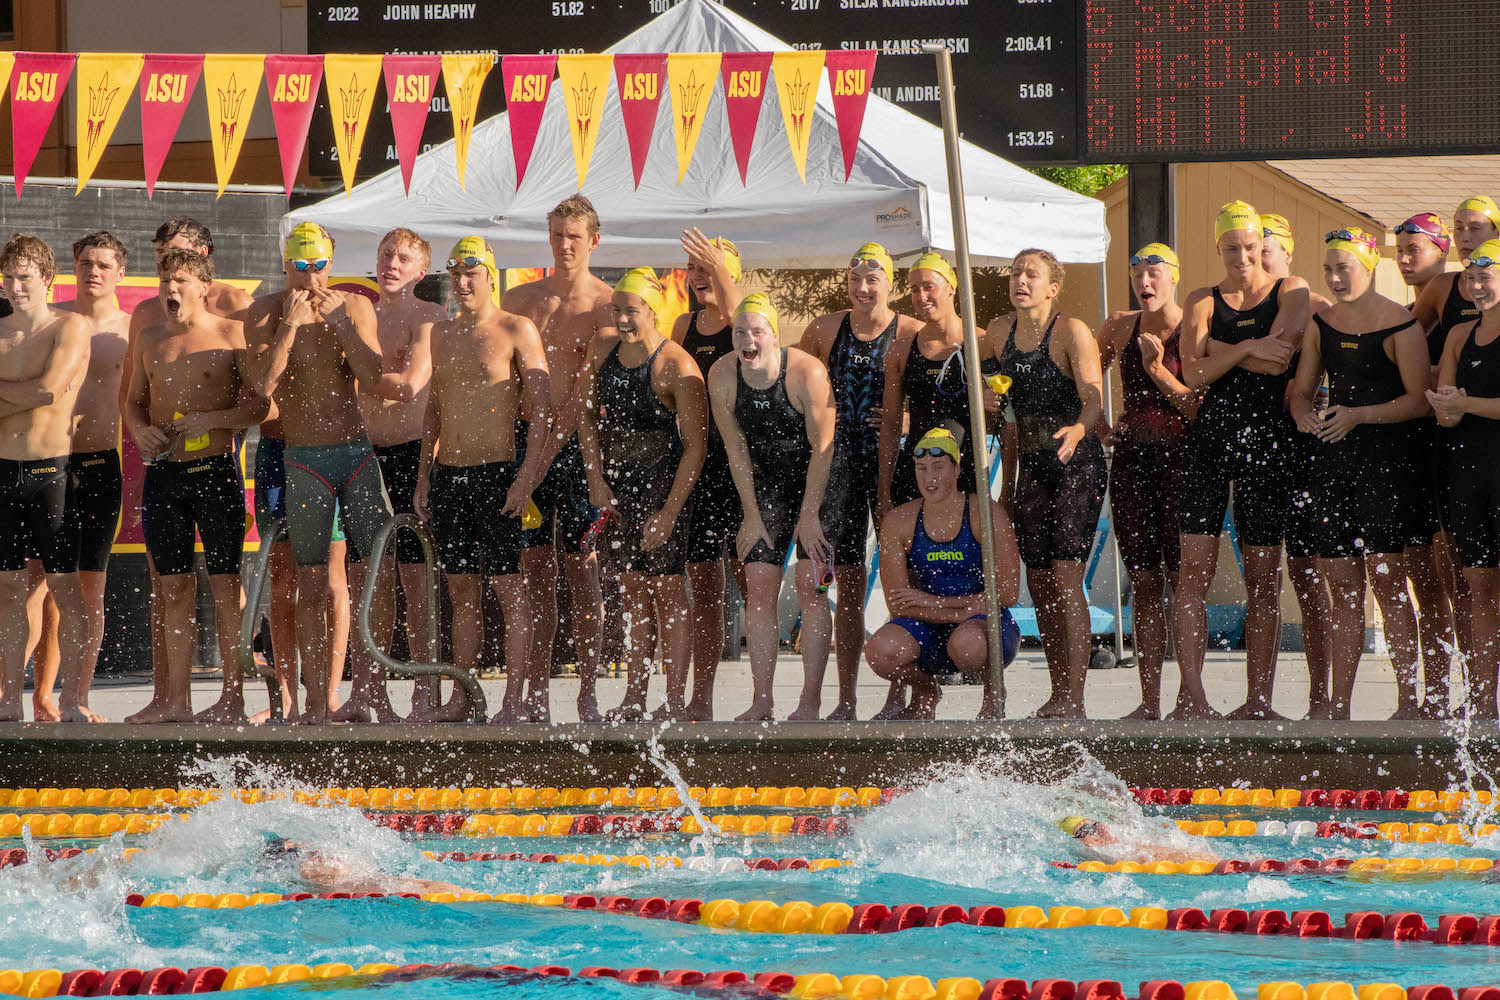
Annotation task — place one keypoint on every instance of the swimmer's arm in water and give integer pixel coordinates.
(1305, 385)
(1103, 845)
(333, 874)
(530, 361)
(600, 495)
(816, 394)
(722, 377)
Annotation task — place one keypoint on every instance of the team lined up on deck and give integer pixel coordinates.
(559, 415)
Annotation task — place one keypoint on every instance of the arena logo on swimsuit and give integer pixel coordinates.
(167, 88)
(945, 556)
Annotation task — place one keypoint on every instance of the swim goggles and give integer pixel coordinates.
(931, 453)
(467, 262)
(868, 263)
(1343, 234)
(315, 264)
(1419, 230)
(591, 537)
(1154, 258)
(1485, 261)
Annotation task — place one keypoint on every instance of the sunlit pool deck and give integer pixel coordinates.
(1330, 755)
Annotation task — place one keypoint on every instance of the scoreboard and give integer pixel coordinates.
(1014, 61)
(1174, 80)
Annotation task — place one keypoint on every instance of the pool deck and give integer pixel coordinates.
(1360, 754)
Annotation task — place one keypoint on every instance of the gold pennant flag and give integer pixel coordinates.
(798, 75)
(464, 75)
(690, 79)
(230, 83)
(351, 84)
(585, 84)
(105, 82)
(7, 63)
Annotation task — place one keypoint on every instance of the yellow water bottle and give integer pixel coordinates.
(531, 519)
(193, 443)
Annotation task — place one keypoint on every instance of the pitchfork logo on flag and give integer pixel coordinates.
(104, 83)
(690, 79)
(351, 87)
(229, 86)
(797, 77)
(585, 81)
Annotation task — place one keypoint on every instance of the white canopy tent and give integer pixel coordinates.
(897, 193)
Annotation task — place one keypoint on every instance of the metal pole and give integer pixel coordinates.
(250, 618)
(1114, 529)
(977, 435)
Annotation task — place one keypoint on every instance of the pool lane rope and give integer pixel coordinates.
(762, 916)
(1426, 867)
(808, 986)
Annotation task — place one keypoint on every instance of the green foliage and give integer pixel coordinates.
(1084, 180)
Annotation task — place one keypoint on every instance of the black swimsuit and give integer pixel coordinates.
(857, 370)
(1145, 483)
(1472, 503)
(1057, 504)
(640, 447)
(937, 395)
(714, 505)
(1243, 435)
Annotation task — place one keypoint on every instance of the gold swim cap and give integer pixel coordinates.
(760, 303)
(877, 253)
(1235, 216)
(642, 281)
(477, 247)
(1357, 242)
(936, 262)
(1484, 255)
(1167, 254)
(1484, 205)
(940, 438)
(731, 257)
(1069, 823)
(307, 241)
(1276, 226)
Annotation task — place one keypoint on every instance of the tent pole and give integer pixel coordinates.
(977, 435)
(1114, 532)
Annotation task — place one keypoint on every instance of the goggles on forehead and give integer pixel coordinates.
(315, 264)
(1154, 258)
(1417, 230)
(868, 263)
(931, 453)
(1484, 261)
(467, 262)
(1344, 234)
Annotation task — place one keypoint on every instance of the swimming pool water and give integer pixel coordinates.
(970, 837)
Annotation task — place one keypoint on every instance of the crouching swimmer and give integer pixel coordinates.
(932, 572)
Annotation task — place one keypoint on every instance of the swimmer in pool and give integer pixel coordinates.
(1101, 841)
(325, 871)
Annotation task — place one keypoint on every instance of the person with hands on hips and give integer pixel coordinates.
(774, 406)
(644, 433)
(1467, 404)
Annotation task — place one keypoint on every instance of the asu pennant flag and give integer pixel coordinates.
(585, 84)
(292, 83)
(690, 78)
(351, 94)
(105, 80)
(410, 82)
(849, 74)
(7, 63)
(797, 77)
(167, 84)
(36, 86)
(745, 77)
(229, 86)
(527, 80)
(463, 76)
(640, 80)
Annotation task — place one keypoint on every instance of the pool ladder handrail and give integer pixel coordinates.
(478, 712)
(250, 617)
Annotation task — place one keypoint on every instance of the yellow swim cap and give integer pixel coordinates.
(1484, 205)
(760, 303)
(1357, 242)
(307, 241)
(1167, 254)
(877, 253)
(935, 262)
(1235, 216)
(731, 257)
(999, 384)
(1069, 823)
(1276, 226)
(940, 438)
(1488, 251)
(477, 247)
(642, 281)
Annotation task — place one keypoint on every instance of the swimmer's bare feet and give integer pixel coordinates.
(1320, 712)
(1254, 710)
(588, 710)
(310, 718)
(988, 710)
(893, 707)
(842, 712)
(1188, 709)
(535, 709)
(1408, 713)
(11, 713)
(757, 712)
(455, 709)
(923, 707)
(155, 713)
(44, 710)
(628, 712)
(806, 712)
(226, 711)
(1060, 707)
(79, 713)
(1146, 713)
(353, 710)
(697, 711)
(1435, 708)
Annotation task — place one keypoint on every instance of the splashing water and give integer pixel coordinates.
(1461, 725)
(657, 758)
